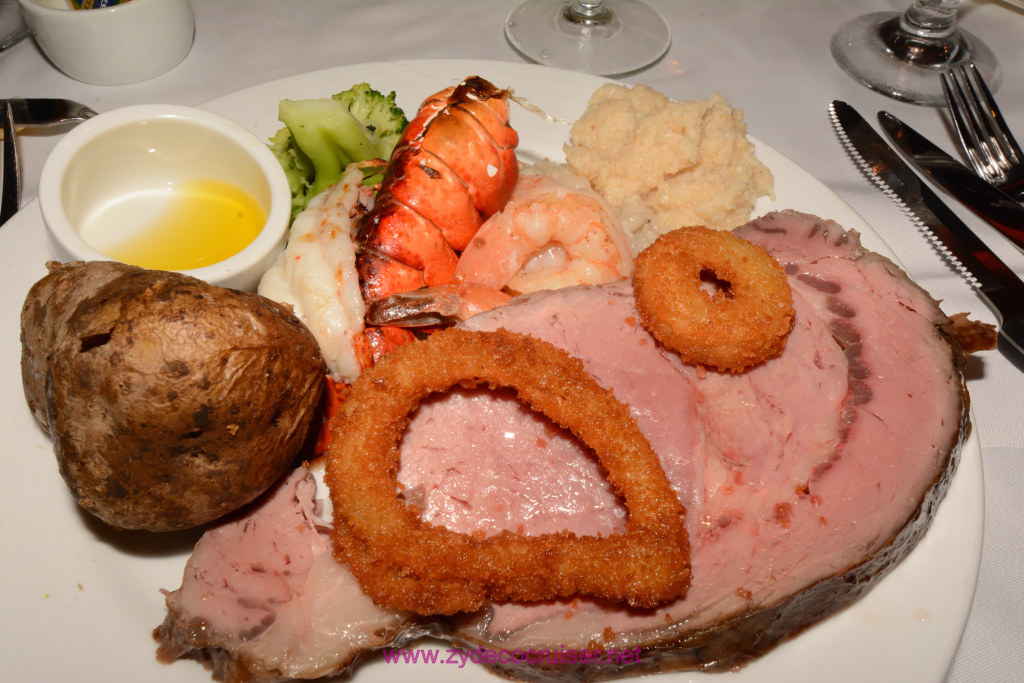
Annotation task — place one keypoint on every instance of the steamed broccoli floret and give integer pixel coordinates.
(376, 111)
(297, 167)
(323, 136)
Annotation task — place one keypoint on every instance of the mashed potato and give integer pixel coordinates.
(664, 164)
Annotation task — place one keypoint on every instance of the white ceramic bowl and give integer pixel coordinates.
(135, 152)
(125, 43)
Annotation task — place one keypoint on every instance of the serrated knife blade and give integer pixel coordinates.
(996, 283)
(999, 210)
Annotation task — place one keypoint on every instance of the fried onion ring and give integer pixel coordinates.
(744, 322)
(405, 563)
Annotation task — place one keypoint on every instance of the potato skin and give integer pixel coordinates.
(47, 307)
(171, 402)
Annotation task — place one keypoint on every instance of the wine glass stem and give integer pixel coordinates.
(930, 18)
(926, 35)
(588, 13)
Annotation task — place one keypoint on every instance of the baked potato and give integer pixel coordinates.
(170, 402)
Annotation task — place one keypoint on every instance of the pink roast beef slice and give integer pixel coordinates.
(263, 599)
(817, 471)
(806, 479)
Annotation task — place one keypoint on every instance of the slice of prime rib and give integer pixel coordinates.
(806, 479)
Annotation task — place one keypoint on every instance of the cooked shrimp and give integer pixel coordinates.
(548, 236)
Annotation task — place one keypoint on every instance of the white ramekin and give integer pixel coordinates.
(134, 148)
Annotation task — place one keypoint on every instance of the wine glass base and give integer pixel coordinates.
(636, 37)
(863, 49)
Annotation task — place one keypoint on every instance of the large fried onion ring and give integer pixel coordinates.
(405, 563)
(743, 323)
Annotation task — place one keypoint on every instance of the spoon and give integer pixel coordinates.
(47, 111)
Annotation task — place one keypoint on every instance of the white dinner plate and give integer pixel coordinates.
(79, 601)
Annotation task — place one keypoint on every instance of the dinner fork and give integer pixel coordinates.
(983, 132)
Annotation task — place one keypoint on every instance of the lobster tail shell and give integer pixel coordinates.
(472, 136)
(425, 184)
(403, 251)
(454, 166)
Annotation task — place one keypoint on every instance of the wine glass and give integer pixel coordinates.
(604, 37)
(903, 55)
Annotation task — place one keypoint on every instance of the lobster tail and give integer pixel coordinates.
(402, 251)
(454, 166)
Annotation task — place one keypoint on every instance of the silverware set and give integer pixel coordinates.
(992, 150)
(1000, 288)
(998, 209)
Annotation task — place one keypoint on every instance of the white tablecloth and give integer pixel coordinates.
(771, 59)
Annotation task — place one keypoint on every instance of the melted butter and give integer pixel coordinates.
(204, 222)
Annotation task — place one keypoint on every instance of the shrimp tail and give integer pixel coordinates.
(434, 306)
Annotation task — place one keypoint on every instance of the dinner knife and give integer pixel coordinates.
(996, 283)
(998, 209)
